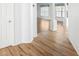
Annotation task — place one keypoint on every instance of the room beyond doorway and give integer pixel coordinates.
(46, 14)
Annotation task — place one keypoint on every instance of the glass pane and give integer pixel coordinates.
(63, 8)
(44, 11)
(63, 14)
(58, 8)
(58, 14)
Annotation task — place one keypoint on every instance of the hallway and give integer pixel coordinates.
(50, 44)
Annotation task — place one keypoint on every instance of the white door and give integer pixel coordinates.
(6, 24)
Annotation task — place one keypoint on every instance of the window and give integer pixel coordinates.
(60, 11)
(45, 11)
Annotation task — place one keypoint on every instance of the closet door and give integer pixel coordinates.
(4, 20)
(10, 23)
(0, 24)
(7, 24)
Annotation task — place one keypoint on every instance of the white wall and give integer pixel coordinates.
(34, 18)
(66, 16)
(23, 23)
(18, 24)
(26, 23)
(73, 28)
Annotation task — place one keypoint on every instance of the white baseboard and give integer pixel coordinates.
(21, 43)
(35, 35)
(14, 44)
(74, 46)
(4, 46)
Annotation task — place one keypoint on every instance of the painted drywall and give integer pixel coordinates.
(34, 18)
(73, 28)
(23, 25)
(65, 21)
(18, 24)
(26, 23)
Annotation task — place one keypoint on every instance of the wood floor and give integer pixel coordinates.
(42, 25)
(45, 44)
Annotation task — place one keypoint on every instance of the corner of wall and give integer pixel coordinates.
(74, 46)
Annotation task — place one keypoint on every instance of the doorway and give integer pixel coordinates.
(51, 17)
(43, 20)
